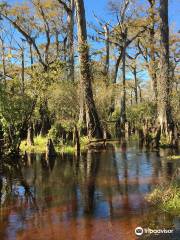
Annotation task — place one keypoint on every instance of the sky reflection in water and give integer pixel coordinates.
(99, 196)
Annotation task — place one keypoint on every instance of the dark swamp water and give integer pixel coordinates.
(98, 196)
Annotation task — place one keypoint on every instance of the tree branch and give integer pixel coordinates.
(28, 38)
(67, 9)
(47, 30)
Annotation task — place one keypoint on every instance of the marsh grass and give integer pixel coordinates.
(174, 157)
(167, 198)
(40, 146)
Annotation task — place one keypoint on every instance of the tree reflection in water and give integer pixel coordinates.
(100, 193)
(89, 167)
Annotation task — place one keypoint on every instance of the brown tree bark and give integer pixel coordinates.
(31, 55)
(123, 100)
(117, 66)
(135, 84)
(164, 107)
(106, 65)
(93, 124)
(70, 21)
(120, 124)
(45, 121)
(22, 71)
(3, 59)
(69, 40)
(30, 135)
(152, 65)
(50, 150)
(77, 141)
(140, 93)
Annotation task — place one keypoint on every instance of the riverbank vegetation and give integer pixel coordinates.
(40, 145)
(167, 198)
(126, 80)
(174, 157)
(70, 83)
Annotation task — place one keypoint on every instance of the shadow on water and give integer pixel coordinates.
(99, 195)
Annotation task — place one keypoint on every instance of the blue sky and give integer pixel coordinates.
(100, 8)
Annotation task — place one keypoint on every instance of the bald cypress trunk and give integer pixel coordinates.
(93, 124)
(135, 84)
(30, 135)
(70, 21)
(50, 150)
(123, 100)
(107, 59)
(152, 65)
(165, 117)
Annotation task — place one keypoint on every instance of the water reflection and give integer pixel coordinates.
(89, 167)
(99, 195)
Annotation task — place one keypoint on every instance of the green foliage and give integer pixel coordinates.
(39, 145)
(137, 113)
(103, 95)
(115, 114)
(14, 111)
(174, 157)
(84, 141)
(47, 80)
(134, 137)
(165, 141)
(167, 198)
(55, 134)
(67, 149)
(63, 102)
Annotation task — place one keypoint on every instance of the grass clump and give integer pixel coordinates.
(134, 137)
(167, 198)
(39, 145)
(84, 141)
(174, 157)
(66, 149)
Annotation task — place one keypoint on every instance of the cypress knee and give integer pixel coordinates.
(77, 141)
(30, 135)
(50, 150)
